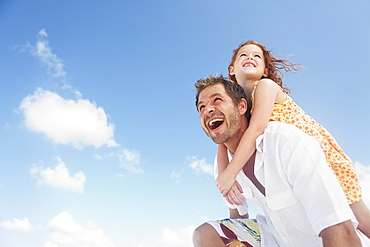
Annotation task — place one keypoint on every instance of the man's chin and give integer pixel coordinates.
(218, 139)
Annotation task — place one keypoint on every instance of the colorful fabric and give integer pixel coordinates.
(245, 231)
(289, 112)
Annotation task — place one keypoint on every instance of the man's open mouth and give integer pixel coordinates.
(215, 123)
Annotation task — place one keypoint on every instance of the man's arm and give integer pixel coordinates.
(234, 214)
(323, 200)
(340, 235)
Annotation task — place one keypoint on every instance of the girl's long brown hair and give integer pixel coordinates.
(273, 65)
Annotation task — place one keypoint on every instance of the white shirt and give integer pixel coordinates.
(303, 196)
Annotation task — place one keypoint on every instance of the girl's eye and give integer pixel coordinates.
(243, 55)
(257, 55)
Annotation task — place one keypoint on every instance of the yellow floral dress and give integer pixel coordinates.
(289, 112)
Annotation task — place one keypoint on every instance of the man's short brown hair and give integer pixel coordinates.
(233, 89)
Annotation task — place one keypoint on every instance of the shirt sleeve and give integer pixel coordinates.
(242, 209)
(313, 182)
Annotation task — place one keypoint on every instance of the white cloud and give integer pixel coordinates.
(176, 176)
(17, 225)
(66, 232)
(177, 238)
(59, 177)
(43, 51)
(363, 173)
(78, 123)
(130, 160)
(200, 165)
(168, 238)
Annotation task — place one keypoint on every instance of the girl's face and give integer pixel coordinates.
(249, 64)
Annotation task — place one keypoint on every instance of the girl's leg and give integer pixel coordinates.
(362, 214)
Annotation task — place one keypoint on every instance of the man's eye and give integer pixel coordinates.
(200, 107)
(216, 99)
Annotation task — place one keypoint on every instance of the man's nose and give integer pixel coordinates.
(209, 109)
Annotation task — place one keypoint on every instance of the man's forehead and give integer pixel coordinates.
(211, 91)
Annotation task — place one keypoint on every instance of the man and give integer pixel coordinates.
(287, 176)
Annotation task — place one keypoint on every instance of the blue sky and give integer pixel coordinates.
(100, 140)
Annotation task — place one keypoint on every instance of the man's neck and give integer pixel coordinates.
(233, 143)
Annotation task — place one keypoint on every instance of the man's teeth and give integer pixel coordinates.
(214, 123)
(215, 120)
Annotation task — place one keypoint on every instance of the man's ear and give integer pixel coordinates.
(243, 105)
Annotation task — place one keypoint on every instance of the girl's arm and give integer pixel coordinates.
(237, 197)
(265, 96)
(222, 159)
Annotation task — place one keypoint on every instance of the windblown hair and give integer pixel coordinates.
(233, 89)
(273, 65)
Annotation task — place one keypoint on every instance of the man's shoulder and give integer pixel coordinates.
(285, 132)
(275, 127)
(287, 137)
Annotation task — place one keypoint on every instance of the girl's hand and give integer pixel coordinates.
(235, 195)
(224, 182)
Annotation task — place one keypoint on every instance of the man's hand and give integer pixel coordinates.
(235, 195)
(224, 182)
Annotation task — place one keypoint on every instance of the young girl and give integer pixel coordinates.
(256, 70)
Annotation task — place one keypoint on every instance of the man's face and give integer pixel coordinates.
(219, 116)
